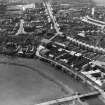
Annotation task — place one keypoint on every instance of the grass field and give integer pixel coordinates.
(21, 86)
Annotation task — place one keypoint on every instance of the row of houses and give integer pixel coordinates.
(78, 60)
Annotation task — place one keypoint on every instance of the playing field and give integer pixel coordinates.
(23, 86)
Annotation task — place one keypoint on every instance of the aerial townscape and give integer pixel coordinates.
(52, 52)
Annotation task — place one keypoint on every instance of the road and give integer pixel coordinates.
(49, 10)
(89, 20)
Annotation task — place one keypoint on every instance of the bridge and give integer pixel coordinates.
(71, 98)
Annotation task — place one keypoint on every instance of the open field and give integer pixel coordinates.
(20, 85)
